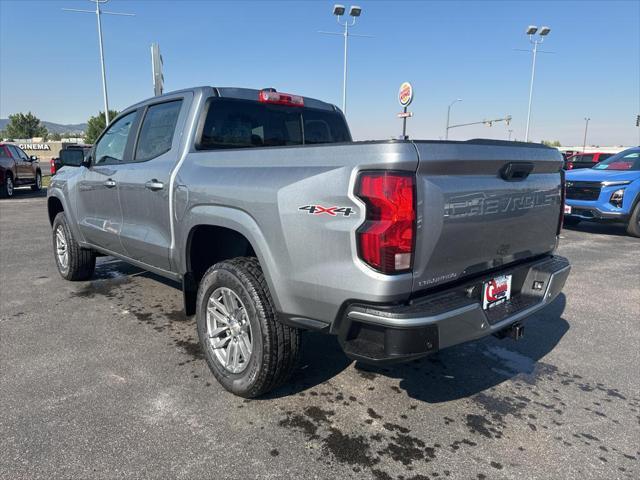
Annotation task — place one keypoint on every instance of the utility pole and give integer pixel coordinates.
(98, 13)
(510, 132)
(586, 125)
(354, 12)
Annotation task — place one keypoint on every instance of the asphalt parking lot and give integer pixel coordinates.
(104, 379)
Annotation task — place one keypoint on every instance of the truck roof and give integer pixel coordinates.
(241, 94)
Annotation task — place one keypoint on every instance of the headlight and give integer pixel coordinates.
(616, 198)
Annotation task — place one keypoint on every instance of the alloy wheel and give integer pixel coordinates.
(62, 250)
(229, 330)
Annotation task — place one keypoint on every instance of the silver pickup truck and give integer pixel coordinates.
(275, 221)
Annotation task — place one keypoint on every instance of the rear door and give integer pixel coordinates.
(98, 205)
(144, 184)
(482, 205)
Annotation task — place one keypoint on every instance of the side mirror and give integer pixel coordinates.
(33, 158)
(71, 157)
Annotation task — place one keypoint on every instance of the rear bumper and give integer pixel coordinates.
(382, 334)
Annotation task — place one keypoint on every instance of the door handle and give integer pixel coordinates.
(154, 185)
(109, 183)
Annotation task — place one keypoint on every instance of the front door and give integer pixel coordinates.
(144, 187)
(23, 165)
(99, 210)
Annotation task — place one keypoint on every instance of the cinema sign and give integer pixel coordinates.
(34, 146)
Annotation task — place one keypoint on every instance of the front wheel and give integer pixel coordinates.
(247, 349)
(38, 185)
(73, 262)
(633, 228)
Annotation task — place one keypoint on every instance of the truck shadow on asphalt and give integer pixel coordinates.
(615, 229)
(21, 193)
(455, 373)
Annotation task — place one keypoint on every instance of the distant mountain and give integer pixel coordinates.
(54, 127)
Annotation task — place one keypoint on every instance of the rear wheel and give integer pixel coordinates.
(571, 221)
(73, 262)
(38, 185)
(6, 189)
(247, 349)
(633, 228)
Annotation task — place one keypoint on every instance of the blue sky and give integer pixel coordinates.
(49, 61)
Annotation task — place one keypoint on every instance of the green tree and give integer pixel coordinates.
(555, 143)
(55, 137)
(25, 126)
(96, 124)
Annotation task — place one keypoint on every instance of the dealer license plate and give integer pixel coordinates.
(496, 291)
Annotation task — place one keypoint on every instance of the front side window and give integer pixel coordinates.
(3, 153)
(111, 147)
(157, 130)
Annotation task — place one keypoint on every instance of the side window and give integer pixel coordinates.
(157, 130)
(13, 152)
(3, 153)
(110, 148)
(21, 154)
(587, 158)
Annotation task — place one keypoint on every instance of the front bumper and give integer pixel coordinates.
(393, 333)
(587, 212)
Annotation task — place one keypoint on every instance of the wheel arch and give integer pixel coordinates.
(229, 231)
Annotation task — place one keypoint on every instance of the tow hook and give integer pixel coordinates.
(515, 331)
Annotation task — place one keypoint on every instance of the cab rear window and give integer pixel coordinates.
(232, 123)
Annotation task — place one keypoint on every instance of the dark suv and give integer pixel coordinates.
(17, 169)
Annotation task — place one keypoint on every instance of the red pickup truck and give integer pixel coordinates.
(17, 169)
(585, 160)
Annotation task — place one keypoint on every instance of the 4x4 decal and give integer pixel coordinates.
(333, 211)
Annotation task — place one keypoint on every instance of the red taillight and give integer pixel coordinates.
(53, 166)
(277, 98)
(563, 196)
(386, 239)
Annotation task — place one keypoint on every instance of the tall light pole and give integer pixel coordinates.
(446, 133)
(510, 132)
(354, 12)
(586, 125)
(98, 13)
(535, 41)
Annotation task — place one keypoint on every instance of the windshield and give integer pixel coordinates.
(627, 160)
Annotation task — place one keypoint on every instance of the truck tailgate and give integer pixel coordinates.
(483, 204)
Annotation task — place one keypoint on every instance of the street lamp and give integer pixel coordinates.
(98, 13)
(586, 125)
(354, 12)
(535, 41)
(446, 133)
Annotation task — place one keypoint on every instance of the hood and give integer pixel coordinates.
(592, 175)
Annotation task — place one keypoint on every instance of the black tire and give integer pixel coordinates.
(81, 262)
(7, 188)
(571, 221)
(38, 185)
(275, 346)
(633, 228)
